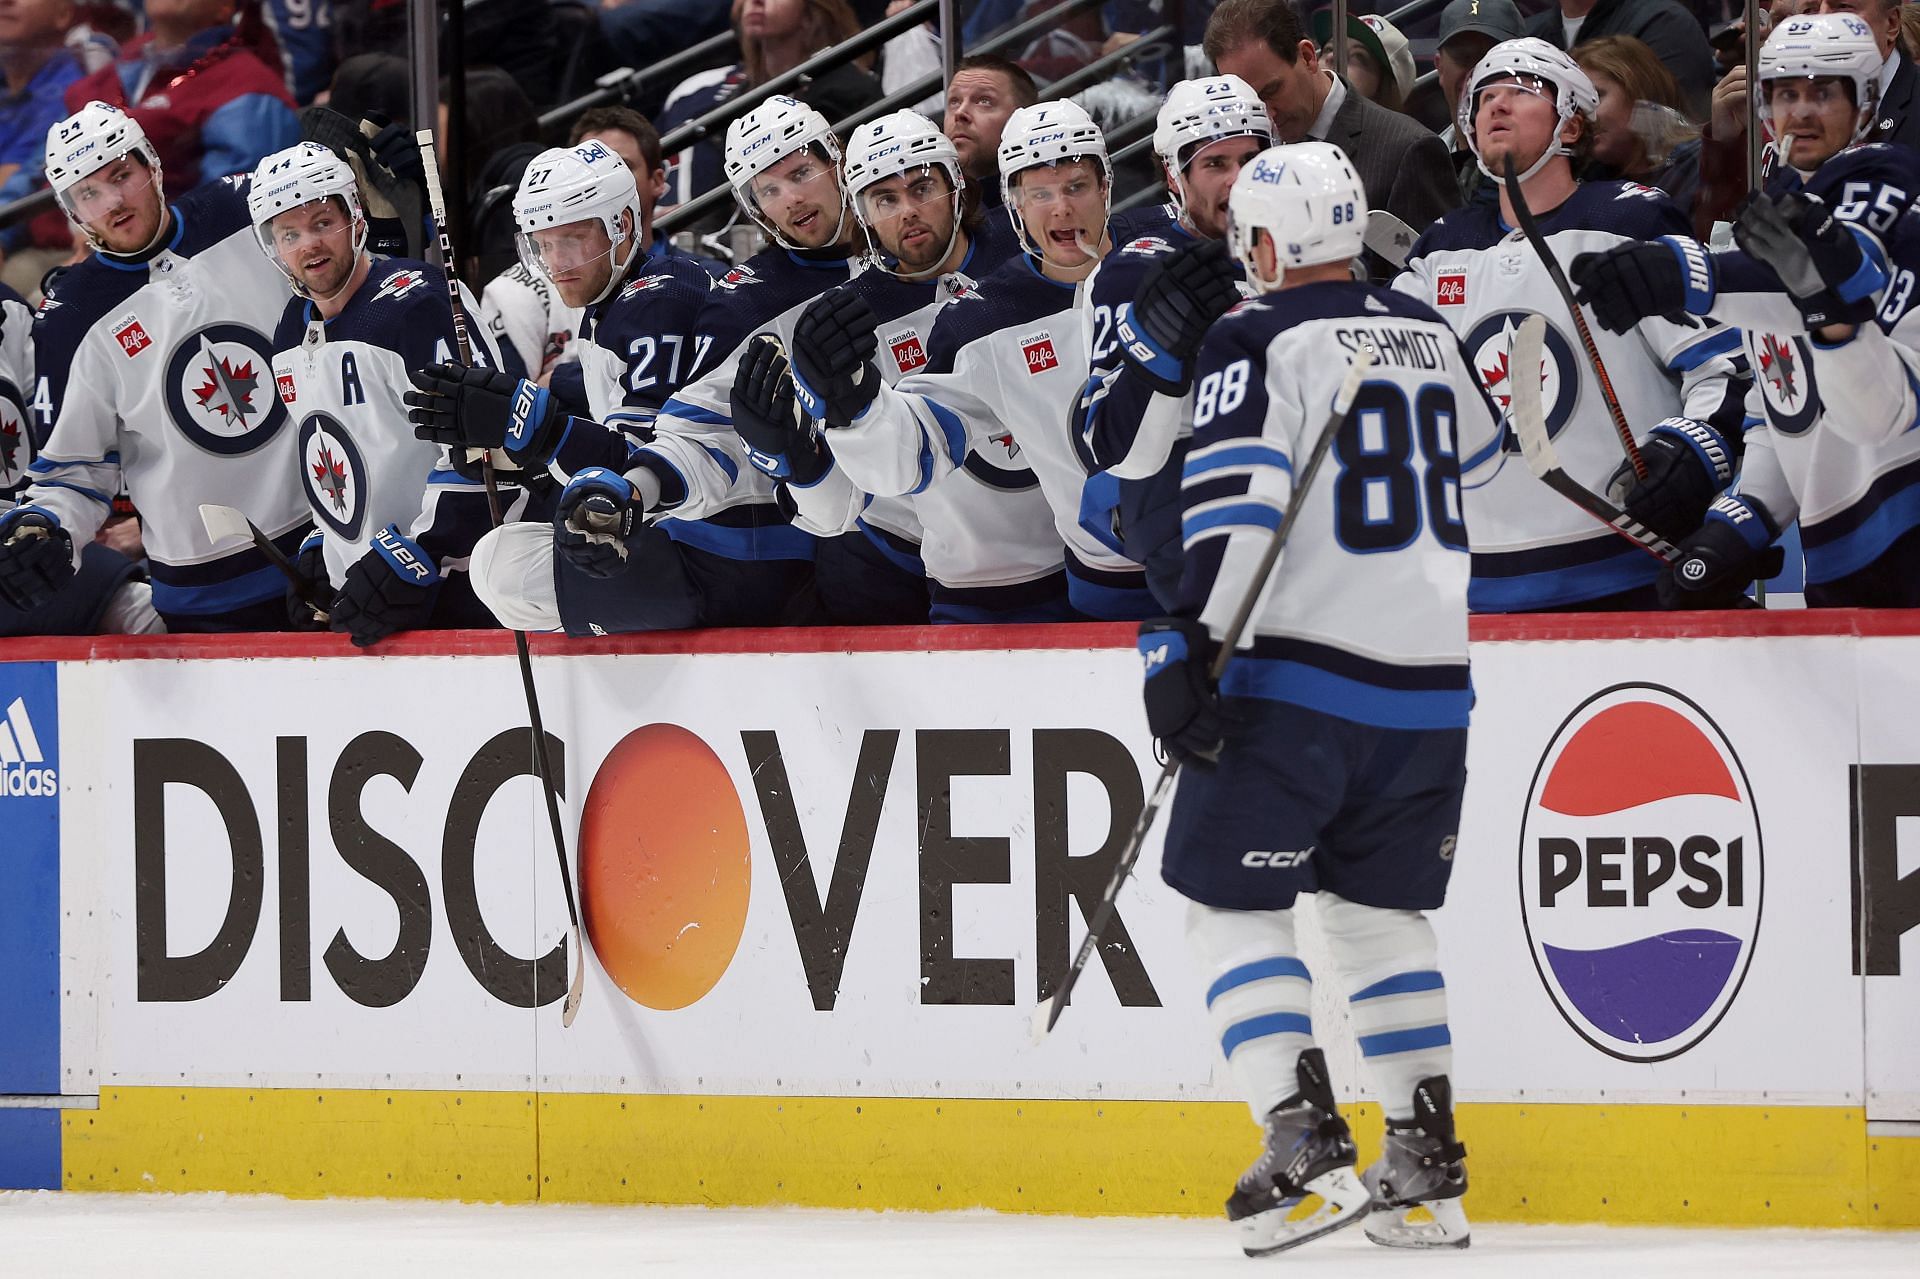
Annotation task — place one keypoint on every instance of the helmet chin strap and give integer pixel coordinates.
(617, 271)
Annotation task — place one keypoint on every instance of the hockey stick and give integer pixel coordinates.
(1049, 1010)
(549, 784)
(1531, 229)
(1389, 237)
(225, 524)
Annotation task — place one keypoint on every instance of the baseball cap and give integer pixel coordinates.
(1382, 41)
(1499, 19)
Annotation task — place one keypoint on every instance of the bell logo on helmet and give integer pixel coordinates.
(591, 151)
(1266, 171)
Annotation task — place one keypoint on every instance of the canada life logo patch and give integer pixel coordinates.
(908, 353)
(1450, 290)
(1037, 348)
(1641, 872)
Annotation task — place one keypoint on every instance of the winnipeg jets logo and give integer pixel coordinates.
(738, 278)
(1776, 365)
(399, 284)
(1786, 378)
(335, 478)
(219, 389)
(16, 441)
(642, 284)
(1490, 347)
(1007, 443)
(1634, 191)
(1148, 246)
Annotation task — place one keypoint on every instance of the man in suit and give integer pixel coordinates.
(1665, 26)
(1402, 165)
(1898, 119)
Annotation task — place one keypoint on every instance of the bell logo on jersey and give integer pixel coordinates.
(1641, 872)
(216, 389)
(907, 351)
(1450, 290)
(132, 337)
(1037, 348)
(399, 284)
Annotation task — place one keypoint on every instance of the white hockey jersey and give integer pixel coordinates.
(1531, 548)
(16, 377)
(522, 313)
(154, 376)
(1365, 617)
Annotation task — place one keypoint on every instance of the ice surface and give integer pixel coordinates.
(213, 1236)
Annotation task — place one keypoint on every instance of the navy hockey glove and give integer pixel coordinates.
(599, 514)
(833, 344)
(465, 407)
(36, 557)
(1179, 298)
(1687, 464)
(1669, 277)
(1719, 562)
(780, 443)
(310, 562)
(390, 588)
(1823, 262)
(1183, 704)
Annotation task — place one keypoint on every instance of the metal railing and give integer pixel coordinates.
(624, 84)
(27, 206)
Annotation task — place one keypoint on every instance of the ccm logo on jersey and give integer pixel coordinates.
(132, 338)
(1278, 859)
(1450, 290)
(907, 351)
(1038, 350)
(400, 284)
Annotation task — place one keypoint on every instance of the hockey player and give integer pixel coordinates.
(1829, 437)
(743, 563)
(344, 345)
(1682, 385)
(1006, 363)
(1136, 411)
(981, 539)
(153, 375)
(1339, 732)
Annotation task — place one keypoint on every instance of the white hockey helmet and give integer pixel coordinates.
(583, 183)
(299, 175)
(1818, 46)
(1307, 197)
(1044, 134)
(88, 140)
(767, 135)
(895, 144)
(1198, 112)
(1531, 62)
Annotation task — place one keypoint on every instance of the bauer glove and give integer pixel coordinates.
(468, 407)
(390, 588)
(1179, 298)
(36, 557)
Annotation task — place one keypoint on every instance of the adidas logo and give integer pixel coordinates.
(19, 752)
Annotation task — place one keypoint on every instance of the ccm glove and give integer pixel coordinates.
(834, 376)
(36, 557)
(1719, 562)
(599, 516)
(780, 443)
(1179, 298)
(390, 588)
(310, 562)
(1669, 277)
(1687, 464)
(1822, 261)
(465, 407)
(1183, 704)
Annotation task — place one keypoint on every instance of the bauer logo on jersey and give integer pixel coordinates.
(1037, 349)
(335, 477)
(131, 336)
(908, 353)
(1783, 368)
(399, 284)
(1489, 346)
(219, 390)
(1450, 290)
(16, 440)
(1641, 872)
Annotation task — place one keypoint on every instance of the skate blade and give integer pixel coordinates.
(1333, 1200)
(1437, 1223)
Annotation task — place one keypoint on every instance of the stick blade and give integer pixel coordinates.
(1526, 412)
(1388, 236)
(1045, 1014)
(225, 524)
(578, 986)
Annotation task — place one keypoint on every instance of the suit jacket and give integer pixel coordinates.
(1671, 31)
(1403, 166)
(1899, 112)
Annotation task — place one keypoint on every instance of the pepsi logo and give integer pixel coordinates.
(1641, 872)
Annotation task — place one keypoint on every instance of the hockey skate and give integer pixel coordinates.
(1303, 1185)
(1419, 1178)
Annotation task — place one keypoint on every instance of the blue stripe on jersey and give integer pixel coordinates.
(1258, 970)
(954, 435)
(694, 413)
(1588, 569)
(1099, 497)
(1343, 697)
(1259, 1027)
(1238, 515)
(768, 542)
(1237, 454)
(1721, 341)
(894, 555)
(1849, 540)
(1471, 464)
(1400, 984)
(451, 477)
(726, 463)
(1404, 1041)
(1042, 600)
(1109, 596)
(219, 597)
(95, 494)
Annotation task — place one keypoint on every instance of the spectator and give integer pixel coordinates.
(1403, 166)
(1639, 132)
(303, 29)
(1674, 34)
(1899, 82)
(38, 69)
(632, 137)
(369, 84)
(502, 135)
(1468, 30)
(775, 37)
(985, 90)
(644, 31)
(211, 105)
(1379, 60)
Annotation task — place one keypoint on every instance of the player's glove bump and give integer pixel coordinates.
(1183, 703)
(468, 407)
(390, 588)
(1687, 464)
(1732, 548)
(600, 515)
(1179, 298)
(310, 562)
(36, 557)
(1830, 268)
(780, 443)
(834, 376)
(1671, 277)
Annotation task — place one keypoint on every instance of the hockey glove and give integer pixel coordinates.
(36, 557)
(598, 516)
(390, 588)
(1183, 704)
(1687, 464)
(1719, 562)
(470, 407)
(1823, 262)
(1179, 298)
(780, 443)
(834, 376)
(1668, 277)
(310, 562)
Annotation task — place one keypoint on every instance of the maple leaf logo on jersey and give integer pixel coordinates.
(1776, 365)
(1147, 245)
(736, 278)
(9, 446)
(400, 284)
(1006, 441)
(644, 283)
(330, 476)
(228, 391)
(1634, 191)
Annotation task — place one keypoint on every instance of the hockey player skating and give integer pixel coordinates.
(1007, 360)
(1681, 385)
(344, 346)
(980, 540)
(1833, 405)
(1332, 756)
(1149, 305)
(153, 375)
